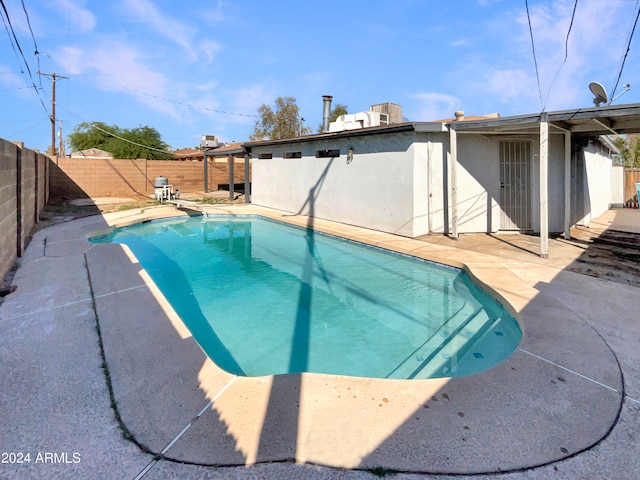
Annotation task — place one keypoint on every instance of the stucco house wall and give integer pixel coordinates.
(382, 187)
(401, 181)
(597, 166)
(478, 179)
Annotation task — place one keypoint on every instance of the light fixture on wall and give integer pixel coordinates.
(350, 155)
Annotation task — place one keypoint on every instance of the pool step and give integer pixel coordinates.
(439, 355)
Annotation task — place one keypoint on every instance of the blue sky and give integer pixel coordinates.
(189, 68)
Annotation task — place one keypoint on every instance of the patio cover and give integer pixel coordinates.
(590, 122)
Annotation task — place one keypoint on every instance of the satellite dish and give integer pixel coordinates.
(600, 94)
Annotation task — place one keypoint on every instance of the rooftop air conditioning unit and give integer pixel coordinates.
(209, 141)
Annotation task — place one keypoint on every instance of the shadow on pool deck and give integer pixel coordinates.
(557, 396)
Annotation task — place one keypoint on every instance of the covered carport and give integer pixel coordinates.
(572, 124)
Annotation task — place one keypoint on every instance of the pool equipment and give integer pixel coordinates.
(163, 189)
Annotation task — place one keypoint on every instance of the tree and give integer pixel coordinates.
(140, 142)
(334, 113)
(629, 146)
(282, 121)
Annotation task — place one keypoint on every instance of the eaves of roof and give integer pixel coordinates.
(231, 149)
(359, 132)
(618, 119)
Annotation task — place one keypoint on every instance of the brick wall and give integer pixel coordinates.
(94, 177)
(23, 195)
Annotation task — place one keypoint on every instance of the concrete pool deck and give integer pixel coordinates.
(566, 404)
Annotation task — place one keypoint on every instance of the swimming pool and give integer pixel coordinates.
(262, 298)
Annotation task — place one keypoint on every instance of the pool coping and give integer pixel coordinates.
(557, 396)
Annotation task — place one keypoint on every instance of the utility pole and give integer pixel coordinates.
(61, 151)
(53, 109)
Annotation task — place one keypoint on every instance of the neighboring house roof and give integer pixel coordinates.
(469, 118)
(229, 149)
(198, 154)
(188, 154)
(91, 153)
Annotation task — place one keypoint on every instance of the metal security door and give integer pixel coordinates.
(515, 182)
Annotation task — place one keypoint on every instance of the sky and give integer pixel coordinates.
(190, 68)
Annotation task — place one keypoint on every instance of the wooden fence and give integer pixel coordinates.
(631, 177)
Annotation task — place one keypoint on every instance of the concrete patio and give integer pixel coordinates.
(86, 330)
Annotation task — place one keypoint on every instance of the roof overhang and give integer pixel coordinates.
(618, 119)
(420, 127)
(224, 152)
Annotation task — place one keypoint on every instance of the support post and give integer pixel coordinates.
(453, 140)
(567, 185)
(231, 176)
(247, 179)
(206, 173)
(544, 186)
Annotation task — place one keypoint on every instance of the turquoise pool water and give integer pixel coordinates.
(264, 298)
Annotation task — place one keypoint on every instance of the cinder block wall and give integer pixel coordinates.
(23, 195)
(8, 206)
(93, 177)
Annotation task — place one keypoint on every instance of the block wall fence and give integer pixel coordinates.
(101, 177)
(24, 191)
(28, 180)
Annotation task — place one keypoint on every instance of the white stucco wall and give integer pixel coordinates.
(400, 182)
(597, 182)
(478, 184)
(617, 186)
(555, 184)
(383, 188)
(434, 148)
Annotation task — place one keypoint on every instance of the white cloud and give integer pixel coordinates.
(205, 87)
(247, 101)
(9, 78)
(179, 33)
(460, 43)
(593, 50)
(117, 66)
(215, 15)
(209, 48)
(145, 12)
(430, 106)
(80, 19)
(502, 77)
(512, 85)
(72, 59)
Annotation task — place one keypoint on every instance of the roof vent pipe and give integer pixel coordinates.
(326, 112)
(459, 115)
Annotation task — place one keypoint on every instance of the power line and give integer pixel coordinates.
(35, 45)
(624, 59)
(13, 39)
(566, 54)
(95, 125)
(188, 104)
(533, 48)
